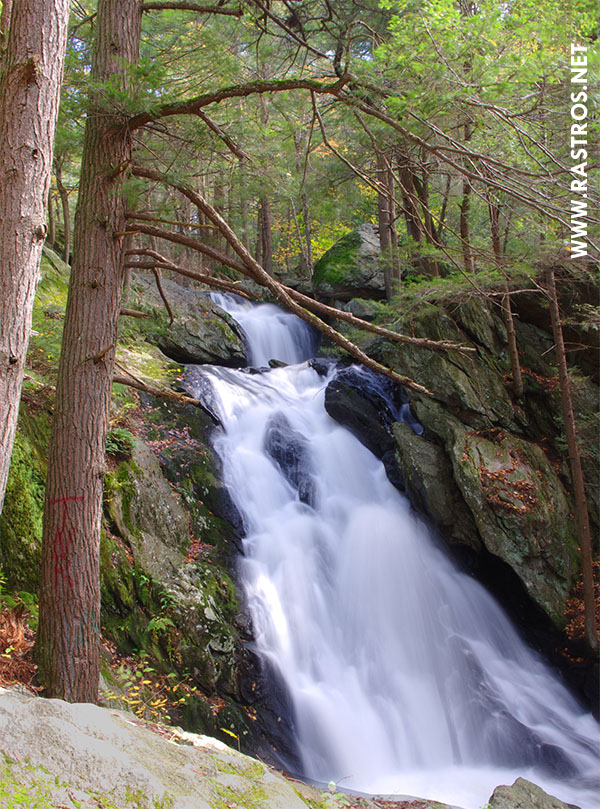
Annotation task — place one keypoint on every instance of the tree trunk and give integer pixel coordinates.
(465, 228)
(64, 201)
(509, 321)
(69, 628)
(32, 62)
(51, 238)
(582, 517)
(265, 234)
(465, 210)
(384, 222)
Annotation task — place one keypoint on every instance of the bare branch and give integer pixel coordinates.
(177, 6)
(193, 105)
(132, 313)
(161, 262)
(163, 393)
(229, 142)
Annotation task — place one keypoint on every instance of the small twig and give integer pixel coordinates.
(101, 354)
(133, 313)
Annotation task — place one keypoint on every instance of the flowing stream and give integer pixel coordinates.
(405, 675)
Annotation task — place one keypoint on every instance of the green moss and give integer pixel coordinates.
(120, 483)
(23, 786)
(339, 263)
(253, 797)
(21, 519)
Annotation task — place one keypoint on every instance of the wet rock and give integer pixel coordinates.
(525, 795)
(201, 333)
(368, 406)
(520, 509)
(289, 449)
(208, 336)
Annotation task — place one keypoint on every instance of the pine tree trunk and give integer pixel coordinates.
(266, 237)
(465, 210)
(32, 61)
(68, 636)
(64, 201)
(383, 221)
(509, 321)
(582, 516)
(51, 238)
(465, 228)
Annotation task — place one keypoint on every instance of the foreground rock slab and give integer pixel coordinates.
(55, 754)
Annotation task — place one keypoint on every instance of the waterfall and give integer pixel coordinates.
(405, 675)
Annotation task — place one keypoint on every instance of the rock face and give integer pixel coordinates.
(486, 469)
(150, 565)
(524, 795)
(201, 332)
(351, 268)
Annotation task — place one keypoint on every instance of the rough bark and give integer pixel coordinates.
(64, 201)
(581, 508)
(32, 62)
(509, 322)
(68, 636)
(384, 222)
(51, 238)
(465, 210)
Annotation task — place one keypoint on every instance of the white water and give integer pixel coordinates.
(405, 676)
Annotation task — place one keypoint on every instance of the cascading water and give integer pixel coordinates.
(404, 674)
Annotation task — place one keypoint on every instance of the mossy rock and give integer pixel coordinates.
(201, 332)
(22, 516)
(352, 267)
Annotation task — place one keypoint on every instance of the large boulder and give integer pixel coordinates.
(201, 332)
(429, 481)
(352, 268)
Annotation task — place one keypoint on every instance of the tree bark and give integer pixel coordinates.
(64, 201)
(465, 210)
(32, 61)
(383, 221)
(582, 516)
(509, 321)
(69, 628)
(51, 238)
(265, 234)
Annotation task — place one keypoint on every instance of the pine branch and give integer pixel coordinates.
(193, 105)
(176, 6)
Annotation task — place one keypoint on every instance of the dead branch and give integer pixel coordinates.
(161, 262)
(177, 6)
(254, 270)
(162, 393)
(132, 313)
(146, 217)
(193, 105)
(161, 292)
(299, 297)
(228, 141)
